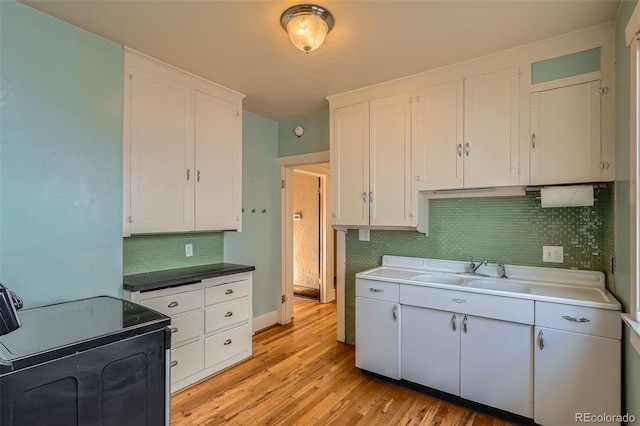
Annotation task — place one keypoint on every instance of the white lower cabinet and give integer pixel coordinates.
(482, 360)
(577, 364)
(211, 324)
(378, 328)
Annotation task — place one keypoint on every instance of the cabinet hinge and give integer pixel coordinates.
(603, 165)
(282, 184)
(284, 298)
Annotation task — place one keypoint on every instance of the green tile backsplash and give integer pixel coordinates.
(511, 230)
(146, 253)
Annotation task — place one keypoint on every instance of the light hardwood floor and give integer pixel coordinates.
(300, 375)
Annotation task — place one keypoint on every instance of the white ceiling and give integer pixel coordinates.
(241, 45)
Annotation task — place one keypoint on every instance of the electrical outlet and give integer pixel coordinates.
(553, 254)
(188, 250)
(363, 234)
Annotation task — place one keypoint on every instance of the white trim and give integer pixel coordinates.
(634, 331)
(633, 26)
(341, 263)
(567, 81)
(634, 196)
(265, 320)
(126, 149)
(304, 159)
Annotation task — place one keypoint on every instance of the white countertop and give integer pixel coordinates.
(568, 286)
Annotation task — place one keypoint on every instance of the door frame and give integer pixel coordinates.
(285, 167)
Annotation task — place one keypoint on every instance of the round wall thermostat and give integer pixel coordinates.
(299, 131)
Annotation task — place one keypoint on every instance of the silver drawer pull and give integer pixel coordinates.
(228, 314)
(453, 322)
(572, 319)
(459, 300)
(172, 304)
(540, 340)
(227, 342)
(230, 291)
(376, 290)
(174, 330)
(174, 363)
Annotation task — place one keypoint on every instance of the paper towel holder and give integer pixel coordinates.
(597, 187)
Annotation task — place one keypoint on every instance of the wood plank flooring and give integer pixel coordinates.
(300, 375)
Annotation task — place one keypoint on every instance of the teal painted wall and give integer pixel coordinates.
(566, 66)
(510, 230)
(315, 138)
(631, 359)
(146, 253)
(60, 159)
(257, 244)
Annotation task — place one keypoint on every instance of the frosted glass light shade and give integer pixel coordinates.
(307, 25)
(307, 32)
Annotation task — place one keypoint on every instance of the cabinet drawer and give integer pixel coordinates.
(186, 360)
(227, 344)
(185, 327)
(579, 319)
(379, 290)
(229, 291)
(482, 305)
(226, 314)
(175, 303)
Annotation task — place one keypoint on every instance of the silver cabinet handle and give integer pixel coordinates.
(468, 149)
(227, 342)
(174, 363)
(228, 314)
(376, 290)
(230, 291)
(540, 340)
(174, 330)
(395, 312)
(172, 304)
(464, 324)
(533, 140)
(459, 300)
(572, 319)
(459, 150)
(364, 197)
(453, 323)
(188, 174)
(198, 176)
(371, 197)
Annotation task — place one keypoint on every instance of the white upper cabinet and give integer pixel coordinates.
(182, 151)
(467, 133)
(565, 140)
(161, 154)
(438, 155)
(370, 162)
(491, 126)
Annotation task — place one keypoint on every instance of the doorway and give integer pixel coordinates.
(320, 272)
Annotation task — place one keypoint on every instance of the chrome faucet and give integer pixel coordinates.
(473, 268)
(503, 268)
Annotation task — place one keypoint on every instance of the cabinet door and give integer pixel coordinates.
(565, 134)
(350, 165)
(575, 373)
(431, 348)
(491, 123)
(496, 364)
(378, 337)
(438, 162)
(217, 146)
(390, 161)
(161, 155)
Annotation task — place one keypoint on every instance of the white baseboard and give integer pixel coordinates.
(265, 320)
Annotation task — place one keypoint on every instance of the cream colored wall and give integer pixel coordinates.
(305, 231)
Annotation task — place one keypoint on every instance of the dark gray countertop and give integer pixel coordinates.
(175, 277)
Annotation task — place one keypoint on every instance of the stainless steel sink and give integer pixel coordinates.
(438, 279)
(499, 285)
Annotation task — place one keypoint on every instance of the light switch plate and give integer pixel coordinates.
(188, 250)
(363, 234)
(553, 254)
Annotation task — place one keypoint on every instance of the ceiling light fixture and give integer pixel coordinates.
(307, 25)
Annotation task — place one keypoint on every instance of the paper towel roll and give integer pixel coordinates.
(567, 196)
